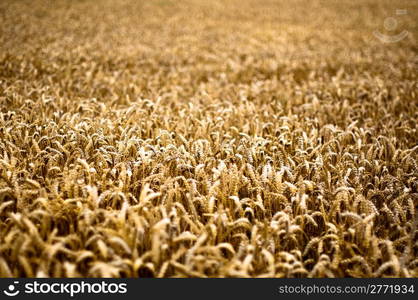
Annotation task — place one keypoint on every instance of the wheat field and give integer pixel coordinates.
(197, 138)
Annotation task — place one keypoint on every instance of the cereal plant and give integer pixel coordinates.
(199, 138)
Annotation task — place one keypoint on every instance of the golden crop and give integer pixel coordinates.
(194, 138)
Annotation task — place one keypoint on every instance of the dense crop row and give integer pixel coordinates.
(207, 139)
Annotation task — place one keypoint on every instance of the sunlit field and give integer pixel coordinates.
(193, 138)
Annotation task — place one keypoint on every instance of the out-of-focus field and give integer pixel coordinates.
(208, 139)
